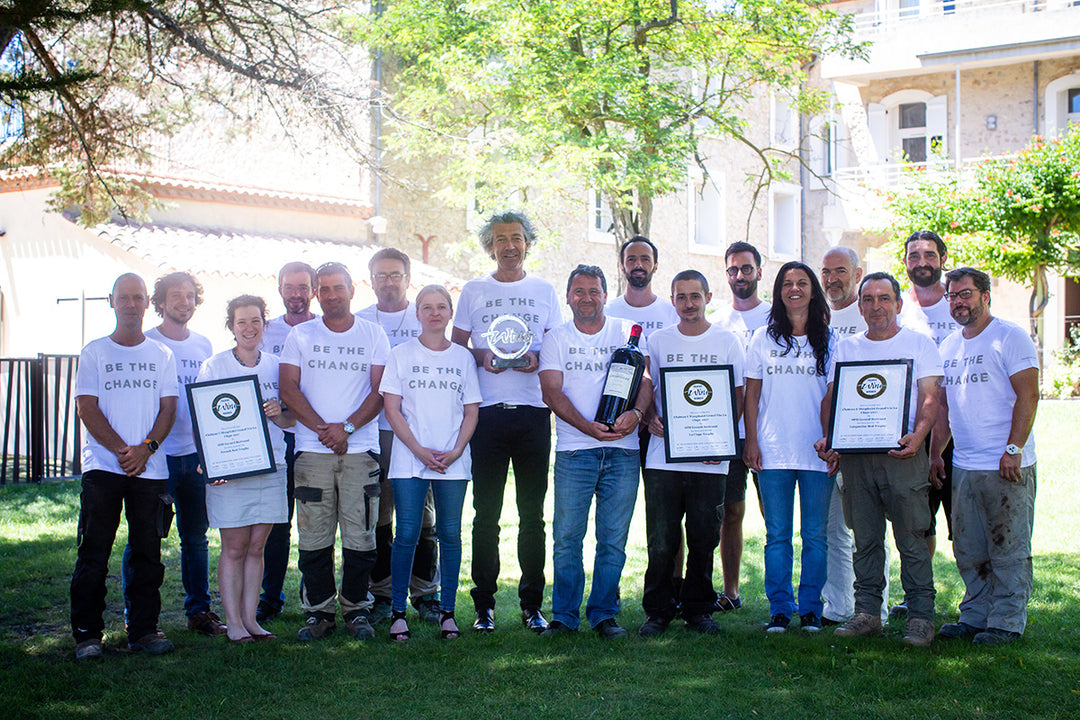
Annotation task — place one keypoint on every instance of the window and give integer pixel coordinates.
(1062, 103)
(912, 117)
(785, 227)
(601, 224)
(784, 121)
(706, 213)
(822, 147)
(910, 125)
(1072, 105)
(908, 8)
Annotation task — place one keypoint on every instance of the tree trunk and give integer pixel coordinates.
(627, 223)
(1040, 296)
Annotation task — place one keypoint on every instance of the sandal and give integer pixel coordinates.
(451, 633)
(399, 629)
(727, 604)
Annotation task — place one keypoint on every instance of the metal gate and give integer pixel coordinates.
(40, 434)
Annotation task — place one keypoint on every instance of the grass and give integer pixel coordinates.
(514, 674)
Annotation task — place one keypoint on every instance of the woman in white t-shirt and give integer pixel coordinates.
(431, 396)
(245, 509)
(788, 364)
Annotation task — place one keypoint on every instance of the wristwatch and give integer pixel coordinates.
(152, 444)
(1011, 449)
(349, 427)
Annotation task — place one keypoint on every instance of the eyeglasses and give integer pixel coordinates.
(961, 294)
(747, 270)
(392, 277)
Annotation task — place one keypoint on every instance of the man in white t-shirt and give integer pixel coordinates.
(991, 395)
(296, 286)
(329, 378)
(927, 311)
(514, 424)
(126, 394)
(693, 490)
(175, 298)
(638, 260)
(396, 315)
(591, 458)
(893, 485)
(746, 315)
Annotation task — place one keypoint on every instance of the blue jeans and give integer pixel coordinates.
(778, 499)
(188, 489)
(611, 474)
(409, 497)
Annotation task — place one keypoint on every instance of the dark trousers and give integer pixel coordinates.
(669, 497)
(279, 541)
(521, 435)
(148, 517)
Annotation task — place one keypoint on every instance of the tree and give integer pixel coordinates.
(90, 84)
(1015, 217)
(614, 95)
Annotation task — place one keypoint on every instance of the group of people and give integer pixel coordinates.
(379, 422)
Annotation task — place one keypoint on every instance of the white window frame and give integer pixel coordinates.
(717, 180)
(594, 200)
(793, 192)
(1055, 102)
(780, 105)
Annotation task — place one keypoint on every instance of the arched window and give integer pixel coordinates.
(909, 125)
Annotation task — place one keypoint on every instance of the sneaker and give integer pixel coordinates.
(919, 632)
(359, 627)
(609, 629)
(265, 612)
(810, 622)
(995, 636)
(898, 611)
(958, 630)
(557, 628)
(727, 604)
(152, 644)
(778, 624)
(380, 611)
(427, 607)
(317, 626)
(703, 624)
(860, 625)
(206, 623)
(653, 627)
(88, 650)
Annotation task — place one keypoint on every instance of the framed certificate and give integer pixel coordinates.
(700, 416)
(230, 428)
(870, 405)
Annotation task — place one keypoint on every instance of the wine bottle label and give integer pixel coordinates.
(619, 379)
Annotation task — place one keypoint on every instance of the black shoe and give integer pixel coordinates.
(778, 624)
(266, 612)
(609, 629)
(653, 627)
(958, 630)
(534, 620)
(995, 636)
(703, 624)
(557, 628)
(485, 620)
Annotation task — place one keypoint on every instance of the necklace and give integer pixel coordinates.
(400, 322)
(258, 357)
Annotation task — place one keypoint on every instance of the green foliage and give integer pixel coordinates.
(1062, 378)
(608, 94)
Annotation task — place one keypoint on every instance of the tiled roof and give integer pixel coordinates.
(232, 254)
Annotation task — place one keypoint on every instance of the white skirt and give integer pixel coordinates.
(248, 501)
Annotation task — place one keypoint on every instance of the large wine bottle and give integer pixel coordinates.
(623, 378)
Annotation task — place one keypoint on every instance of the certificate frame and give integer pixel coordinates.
(865, 411)
(692, 397)
(230, 428)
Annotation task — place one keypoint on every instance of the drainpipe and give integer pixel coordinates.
(956, 140)
(1035, 99)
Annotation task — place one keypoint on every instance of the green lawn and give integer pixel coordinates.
(514, 674)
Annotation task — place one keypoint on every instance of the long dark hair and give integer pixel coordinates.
(817, 322)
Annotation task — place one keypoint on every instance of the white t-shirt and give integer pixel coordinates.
(903, 345)
(225, 365)
(656, 315)
(789, 411)
(399, 326)
(670, 348)
(847, 321)
(434, 387)
(274, 335)
(335, 377)
(935, 321)
(531, 299)
(189, 354)
(981, 398)
(128, 383)
(743, 323)
(583, 360)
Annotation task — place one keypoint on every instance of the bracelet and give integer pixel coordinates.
(640, 415)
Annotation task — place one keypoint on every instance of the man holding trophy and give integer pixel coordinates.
(504, 315)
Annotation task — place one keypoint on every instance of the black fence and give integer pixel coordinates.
(39, 428)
